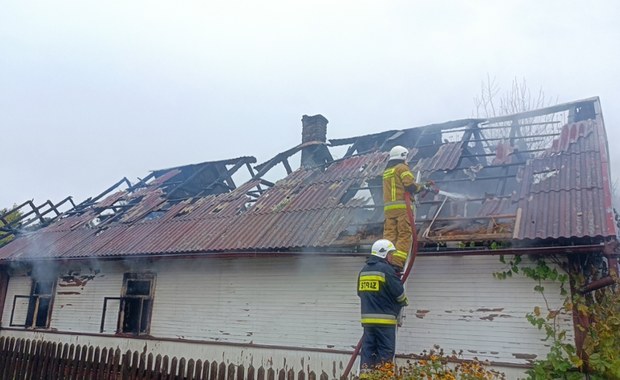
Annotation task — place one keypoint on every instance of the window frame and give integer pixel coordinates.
(125, 298)
(32, 313)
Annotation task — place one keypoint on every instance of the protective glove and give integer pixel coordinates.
(430, 187)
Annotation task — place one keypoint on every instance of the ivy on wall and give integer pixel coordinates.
(598, 317)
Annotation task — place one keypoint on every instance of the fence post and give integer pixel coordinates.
(190, 370)
(23, 358)
(103, 365)
(205, 370)
(213, 374)
(251, 372)
(198, 370)
(62, 367)
(126, 366)
(116, 370)
(164, 368)
(149, 367)
(36, 362)
(240, 372)
(173, 368)
(181, 368)
(141, 371)
(10, 354)
(221, 375)
(56, 354)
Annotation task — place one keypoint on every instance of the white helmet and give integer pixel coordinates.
(398, 153)
(381, 248)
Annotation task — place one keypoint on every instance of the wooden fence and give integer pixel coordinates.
(25, 359)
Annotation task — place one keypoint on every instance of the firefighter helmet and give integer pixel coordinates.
(382, 247)
(398, 153)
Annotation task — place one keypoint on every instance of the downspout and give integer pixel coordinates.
(597, 284)
(612, 264)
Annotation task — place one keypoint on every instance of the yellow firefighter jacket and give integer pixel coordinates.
(397, 180)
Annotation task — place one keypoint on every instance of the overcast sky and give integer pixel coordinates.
(92, 91)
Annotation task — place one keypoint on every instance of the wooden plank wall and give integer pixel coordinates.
(28, 359)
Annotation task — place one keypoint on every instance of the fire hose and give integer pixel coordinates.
(409, 265)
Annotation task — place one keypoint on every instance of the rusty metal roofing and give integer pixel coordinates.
(560, 191)
(566, 193)
(573, 213)
(447, 158)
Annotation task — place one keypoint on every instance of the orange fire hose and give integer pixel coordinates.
(413, 253)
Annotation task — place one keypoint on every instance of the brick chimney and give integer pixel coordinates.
(313, 128)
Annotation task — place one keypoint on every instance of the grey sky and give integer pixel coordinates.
(94, 91)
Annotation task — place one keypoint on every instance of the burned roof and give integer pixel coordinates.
(538, 176)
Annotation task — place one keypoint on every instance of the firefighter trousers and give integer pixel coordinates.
(378, 345)
(397, 229)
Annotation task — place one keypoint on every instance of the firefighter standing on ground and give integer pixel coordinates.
(382, 296)
(398, 179)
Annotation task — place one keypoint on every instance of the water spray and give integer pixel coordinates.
(453, 195)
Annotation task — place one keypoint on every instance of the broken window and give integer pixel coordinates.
(134, 305)
(34, 311)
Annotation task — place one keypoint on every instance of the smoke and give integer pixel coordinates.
(44, 270)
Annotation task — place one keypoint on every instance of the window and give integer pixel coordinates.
(134, 305)
(34, 310)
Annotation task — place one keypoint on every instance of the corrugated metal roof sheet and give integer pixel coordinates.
(35, 246)
(70, 222)
(565, 214)
(446, 158)
(198, 235)
(110, 199)
(304, 210)
(90, 244)
(150, 202)
(570, 134)
(564, 193)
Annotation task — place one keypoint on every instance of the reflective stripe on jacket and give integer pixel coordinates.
(381, 293)
(378, 319)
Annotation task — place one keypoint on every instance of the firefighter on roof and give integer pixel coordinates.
(382, 296)
(398, 179)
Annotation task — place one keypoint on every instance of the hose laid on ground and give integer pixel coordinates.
(413, 252)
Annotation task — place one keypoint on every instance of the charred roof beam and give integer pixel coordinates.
(91, 201)
(141, 183)
(516, 136)
(225, 176)
(196, 173)
(548, 110)
(39, 211)
(223, 180)
(281, 158)
(473, 130)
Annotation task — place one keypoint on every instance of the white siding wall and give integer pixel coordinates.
(309, 303)
(19, 284)
(455, 302)
(78, 303)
